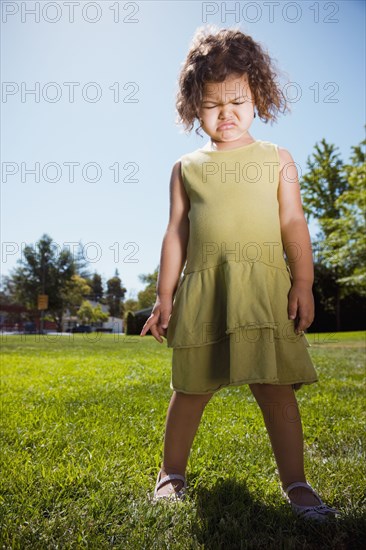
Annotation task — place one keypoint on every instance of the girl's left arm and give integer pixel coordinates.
(296, 243)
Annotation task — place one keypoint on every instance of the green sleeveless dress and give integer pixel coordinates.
(229, 324)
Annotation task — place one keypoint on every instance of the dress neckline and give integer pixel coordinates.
(230, 150)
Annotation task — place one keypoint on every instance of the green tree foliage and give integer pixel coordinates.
(334, 195)
(45, 269)
(147, 296)
(73, 292)
(99, 314)
(323, 183)
(89, 314)
(131, 305)
(114, 296)
(85, 312)
(346, 241)
(96, 285)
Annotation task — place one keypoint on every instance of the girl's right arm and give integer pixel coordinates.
(172, 258)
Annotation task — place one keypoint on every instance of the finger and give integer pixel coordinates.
(301, 323)
(165, 318)
(162, 331)
(145, 328)
(155, 333)
(147, 325)
(300, 327)
(292, 309)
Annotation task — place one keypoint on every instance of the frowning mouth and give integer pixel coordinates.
(226, 125)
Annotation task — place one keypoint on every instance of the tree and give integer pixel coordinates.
(114, 296)
(5, 285)
(89, 314)
(43, 270)
(327, 196)
(147, 296)
(346, 235)
(96, 286)
(74, 291)
(85, 312)
(131, 305)
(323, 184)
(99, 314)
(47, 269)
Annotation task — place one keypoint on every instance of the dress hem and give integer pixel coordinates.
(243, 382)
(233, 331)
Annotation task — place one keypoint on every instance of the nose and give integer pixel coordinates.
(225, 111)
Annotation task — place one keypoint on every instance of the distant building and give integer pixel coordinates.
(15, 317)
(113, 325)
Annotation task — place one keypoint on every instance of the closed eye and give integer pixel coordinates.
(233, 102)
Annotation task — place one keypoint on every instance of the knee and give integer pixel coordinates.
(261, 389)
(195, 399)
(271, 392)
(276, 399)
(205, 398)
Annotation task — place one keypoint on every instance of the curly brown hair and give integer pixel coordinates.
(218, 53)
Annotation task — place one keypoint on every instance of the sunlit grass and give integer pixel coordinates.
(82, 440)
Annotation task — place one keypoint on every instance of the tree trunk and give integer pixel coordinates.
(58, 320)
(338, 308)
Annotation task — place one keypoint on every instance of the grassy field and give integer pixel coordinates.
(82, 441)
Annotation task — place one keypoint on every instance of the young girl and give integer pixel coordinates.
(241, 308)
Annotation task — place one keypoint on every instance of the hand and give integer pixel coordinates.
(301, 306)
(158, 321)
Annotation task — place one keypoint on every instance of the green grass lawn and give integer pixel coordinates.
(82, 440)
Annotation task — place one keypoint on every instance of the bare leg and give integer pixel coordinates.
(283, 422)
(183, 418)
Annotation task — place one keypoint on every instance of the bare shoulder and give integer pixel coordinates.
(285, 157)
(288, 169)
(179, 200)
(176, 179)
(177, 170)
(288, 192)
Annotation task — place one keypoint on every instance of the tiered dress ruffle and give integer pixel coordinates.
(229, 323)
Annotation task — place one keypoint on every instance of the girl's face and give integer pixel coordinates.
(227, 109)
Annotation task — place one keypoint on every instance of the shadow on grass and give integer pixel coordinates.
(229, 516)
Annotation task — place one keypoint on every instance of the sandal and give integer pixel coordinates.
(176, 495)
(320, 512)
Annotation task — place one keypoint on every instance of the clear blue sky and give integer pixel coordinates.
(122, 223)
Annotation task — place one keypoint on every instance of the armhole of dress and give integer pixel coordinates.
(277, 171)
(182, 174)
